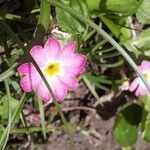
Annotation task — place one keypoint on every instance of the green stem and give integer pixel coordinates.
(42, 117)
(90, 87)
(23, 120)
(120, 62)
(31, 129)
(104, 34)
(106, 56)
(85, 38)
(8, 73)
(98, 45)
(4, 138)
(18, 109)
(107, 50)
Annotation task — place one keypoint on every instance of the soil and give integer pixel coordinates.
(93, 126)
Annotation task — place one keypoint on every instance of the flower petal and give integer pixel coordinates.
(43, 92)
(75, 71)
(30, 82)
(52, 47)
(74, 61)
(141, 90)
(134, 84)
(38, 54)
(25, 68)
(145, 64)
(69, 80)
(59, 89)
(31, 79)
(68, 49)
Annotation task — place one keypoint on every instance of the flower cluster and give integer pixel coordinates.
(59, 65)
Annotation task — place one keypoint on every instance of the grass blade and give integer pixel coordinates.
(4, 138)
(42, 117)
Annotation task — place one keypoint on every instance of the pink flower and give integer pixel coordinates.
(137, 84)
(60, 67)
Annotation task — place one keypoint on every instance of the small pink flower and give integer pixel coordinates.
(60, 67)
(137, 84)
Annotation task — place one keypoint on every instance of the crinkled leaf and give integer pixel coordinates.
(142, 41)
(67, 21)
(143, 13)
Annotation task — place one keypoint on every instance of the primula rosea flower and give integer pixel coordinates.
(59, 66)
(137, 84)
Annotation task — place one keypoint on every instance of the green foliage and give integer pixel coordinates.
(124, 133)
(145, 123)
(126, 8)
(118, 26)
(145, 133)
(143, 12)
(142, 43)
(4, 109)
(124, 130)
(67, 21)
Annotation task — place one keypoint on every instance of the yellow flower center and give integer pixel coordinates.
(52, 68)
(146, 75)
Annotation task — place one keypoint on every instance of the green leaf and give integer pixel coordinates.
(142, 41)
(4, 108)
(15, 85)
(146, 101)
(124, 130)
(118, 26)
(99, 79)
(146, 134)
(133, 113)
(124, 133)
(93, 5)
(1, 129)
(125, 7)
(143, 13)
(14, 118)
(67, 21)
